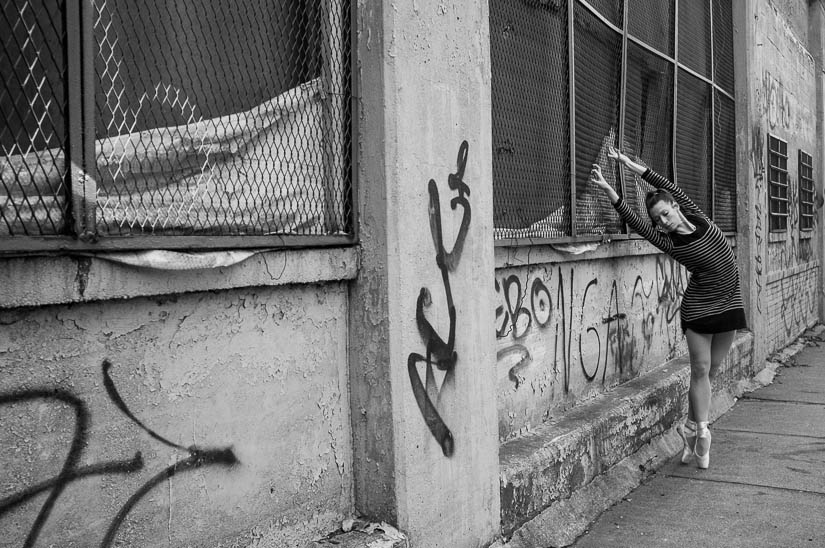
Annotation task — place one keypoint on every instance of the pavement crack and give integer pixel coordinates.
(746, 484)
(737, 431)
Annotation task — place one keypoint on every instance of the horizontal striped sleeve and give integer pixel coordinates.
(644, 229)
(663, 183)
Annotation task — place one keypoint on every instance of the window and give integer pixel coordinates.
(777, 184)
(806, 191)
(178, 125)
(570, 78)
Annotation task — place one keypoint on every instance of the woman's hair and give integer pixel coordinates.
(654, 197)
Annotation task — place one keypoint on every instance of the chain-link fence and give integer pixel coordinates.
(196, 119)
(627, 88)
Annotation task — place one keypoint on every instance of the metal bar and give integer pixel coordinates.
(204, 243)
(355, 92)
(674, 118)
(623, 106)
(599, 16)
(712, 120)
(332, 67)
(527, 242)
(89, 183)
(571, 63)
(74, 115)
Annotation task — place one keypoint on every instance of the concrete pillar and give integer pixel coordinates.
(816, 29)
(422, 335)
(751, 175)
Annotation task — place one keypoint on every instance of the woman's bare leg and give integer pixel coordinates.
(719, 348)
(699, 348)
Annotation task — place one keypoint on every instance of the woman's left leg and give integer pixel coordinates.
(719, 348)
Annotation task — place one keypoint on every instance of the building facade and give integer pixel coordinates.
(260, 285)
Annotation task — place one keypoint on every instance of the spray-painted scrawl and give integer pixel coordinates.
(73, 469)
(440, 353)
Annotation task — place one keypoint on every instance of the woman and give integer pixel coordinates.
(712, 308)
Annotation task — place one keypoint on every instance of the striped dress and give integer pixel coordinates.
(712, 302)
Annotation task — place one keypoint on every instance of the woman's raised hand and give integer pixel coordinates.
(597, 179)
(615, 154)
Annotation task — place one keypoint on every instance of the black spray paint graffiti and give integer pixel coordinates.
(439, 353)
(72, 471)
(608, 335)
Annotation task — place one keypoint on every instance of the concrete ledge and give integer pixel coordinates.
(548, 466)
(37, 281)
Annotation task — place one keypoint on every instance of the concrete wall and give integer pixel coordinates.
(783, 80)
(571, 327)
(242, 394)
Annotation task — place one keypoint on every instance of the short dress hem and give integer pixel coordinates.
(730, 320)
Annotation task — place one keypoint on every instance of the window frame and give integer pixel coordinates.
(807, 192)
(778, 185)
(79, 187)
(627, 38)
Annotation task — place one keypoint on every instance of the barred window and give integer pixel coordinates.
(777, 184)
(806, 191)
(176, 125)
(570, 78)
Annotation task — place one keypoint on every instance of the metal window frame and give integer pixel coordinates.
(806, 191)
(778, 205)
(628, 38)
(81, 163)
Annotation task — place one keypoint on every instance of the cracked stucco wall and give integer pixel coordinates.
(243, 399)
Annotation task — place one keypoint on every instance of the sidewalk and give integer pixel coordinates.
(766, 483)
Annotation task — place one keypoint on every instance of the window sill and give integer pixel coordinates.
(37, 281)
(774, 237)
(507, 256)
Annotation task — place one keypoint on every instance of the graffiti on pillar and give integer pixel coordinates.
(440, 353)
(72, 470)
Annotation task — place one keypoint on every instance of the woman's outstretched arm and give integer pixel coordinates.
(656, 180)
(645, 229)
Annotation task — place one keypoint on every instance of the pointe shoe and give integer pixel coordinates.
(702, 432)
(687, 431)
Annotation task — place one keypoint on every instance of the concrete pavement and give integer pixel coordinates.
(766, 483)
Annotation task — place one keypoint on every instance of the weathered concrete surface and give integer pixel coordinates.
(60, 280)
(764, 487)
(569, 330)
(421, 334)
(257, 376)
(541, 470)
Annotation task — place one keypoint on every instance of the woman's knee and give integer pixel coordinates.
(700, 369)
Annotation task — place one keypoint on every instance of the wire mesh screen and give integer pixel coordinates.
(724, 178)
(221, 118)
(723, 45)
(648, 119)
(598, 66)
(652, 22)
(33, 105)
(531, 151)
(777, 184)
(693, 139)
(694, 36)
(806, 191)
(612, 10)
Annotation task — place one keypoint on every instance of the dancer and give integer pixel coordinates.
(712, 308)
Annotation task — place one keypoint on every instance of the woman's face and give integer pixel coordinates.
(666, 215)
